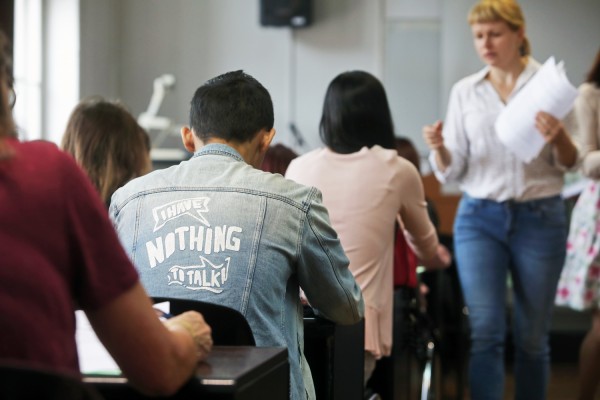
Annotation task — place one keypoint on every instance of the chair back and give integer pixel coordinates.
(23, 383)
(336, 356)
(229, 326)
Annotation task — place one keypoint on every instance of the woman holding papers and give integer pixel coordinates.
(511, 219)
(579, 286)
(59, 252)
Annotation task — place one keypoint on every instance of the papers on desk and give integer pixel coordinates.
(94, 359)
(93, 356)
(548, 90)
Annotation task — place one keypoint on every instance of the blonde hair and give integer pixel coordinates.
(7, 125)
(108, 143)
(508, 11)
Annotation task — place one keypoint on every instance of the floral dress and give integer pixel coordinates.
(579, 285)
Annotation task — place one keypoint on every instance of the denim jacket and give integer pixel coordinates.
(215, 229)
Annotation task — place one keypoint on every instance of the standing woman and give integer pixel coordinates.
(366, 187)
(579, 286)
(511, 219)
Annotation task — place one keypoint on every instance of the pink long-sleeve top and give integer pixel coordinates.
(365, 193)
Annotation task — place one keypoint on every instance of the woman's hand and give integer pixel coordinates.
(193, 323)
(433, 135)
(441, 260)
(435, 141)
(550, 127)
(554, 132)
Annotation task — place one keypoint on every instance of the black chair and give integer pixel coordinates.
(22, 383)
(229, 327)
(336, 356)
(446, 307)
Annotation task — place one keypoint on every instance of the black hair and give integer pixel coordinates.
(356, 114)
(233, 106)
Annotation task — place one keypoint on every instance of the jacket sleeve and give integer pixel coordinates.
(323, 272)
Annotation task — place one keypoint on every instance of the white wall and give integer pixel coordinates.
(100, 36)
(347, 35)
(195, 41)
(134, 41)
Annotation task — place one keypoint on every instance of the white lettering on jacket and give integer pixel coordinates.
(199, 238)
(206, 276)
(194, 207)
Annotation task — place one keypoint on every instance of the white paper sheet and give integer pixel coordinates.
(548, 90)
(93, 356)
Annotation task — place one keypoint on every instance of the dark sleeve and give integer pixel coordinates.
(101, 269)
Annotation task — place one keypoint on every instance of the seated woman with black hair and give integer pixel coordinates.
(367, 187)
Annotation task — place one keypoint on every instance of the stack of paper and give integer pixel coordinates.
(548, 90)
(93, 356)
(94, 359)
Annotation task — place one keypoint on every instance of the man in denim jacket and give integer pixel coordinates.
(217, 229)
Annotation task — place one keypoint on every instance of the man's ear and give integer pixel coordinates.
(187, 137)
(266, 140)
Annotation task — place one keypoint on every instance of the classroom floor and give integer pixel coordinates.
(452, 377)
(568, 329)
(563, 382)
(562, 386)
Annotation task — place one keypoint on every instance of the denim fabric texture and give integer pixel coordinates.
(526, 242)
(215, 229)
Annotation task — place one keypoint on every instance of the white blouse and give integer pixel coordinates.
(481, 165)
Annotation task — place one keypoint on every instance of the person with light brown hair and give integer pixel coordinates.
(511, 220)
(60, 253)
(108, 143)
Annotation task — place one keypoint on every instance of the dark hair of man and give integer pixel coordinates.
(594, 74)
(356, 114)
(233, 106)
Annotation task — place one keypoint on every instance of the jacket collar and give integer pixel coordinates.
(218, 149)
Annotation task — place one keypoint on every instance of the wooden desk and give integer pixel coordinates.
(229, 372)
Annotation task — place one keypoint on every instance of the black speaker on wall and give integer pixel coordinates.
(292, 13)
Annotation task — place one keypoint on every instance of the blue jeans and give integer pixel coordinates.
(527, 240)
